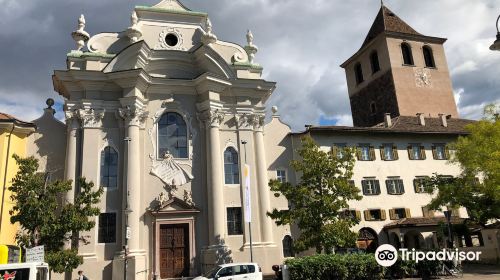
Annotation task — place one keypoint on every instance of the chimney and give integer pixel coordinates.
(388, 120)
(444, 120)
(421, 119)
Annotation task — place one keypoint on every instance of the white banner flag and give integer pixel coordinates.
(248, 197)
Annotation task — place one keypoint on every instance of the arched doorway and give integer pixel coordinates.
(367, 240)
(414, 240)
(394, 240)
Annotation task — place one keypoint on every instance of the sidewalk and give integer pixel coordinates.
(481, 271)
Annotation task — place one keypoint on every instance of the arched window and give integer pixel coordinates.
(373, 108)
(374, 62)
(428, 57)
(358, 71)
(109, 168)
(172, 136)
(407, 55)
(287, 246)
(231, 166)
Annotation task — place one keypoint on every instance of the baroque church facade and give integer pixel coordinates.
(170, 120)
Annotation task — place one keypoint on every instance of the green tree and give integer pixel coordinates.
(318, 199)
(44, 221)
(477, 188)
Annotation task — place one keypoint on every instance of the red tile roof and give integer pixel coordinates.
(6, 118)
(402, 125)
(423, 221)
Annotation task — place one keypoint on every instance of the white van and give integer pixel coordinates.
(233, 271)
(24, 271)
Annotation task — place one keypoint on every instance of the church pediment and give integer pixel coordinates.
(173, 205)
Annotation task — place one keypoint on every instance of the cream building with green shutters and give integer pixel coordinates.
(164, 115)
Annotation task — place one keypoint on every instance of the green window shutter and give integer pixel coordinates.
(335, 150)
(372, 153)
(410, 152)
(401, 186)
(407, 213)
(358, 153)
(358, 215)
(382, 215)
(395, 152)
(434, 152)
(447, 152)
(382, 153)
(392, 214)
(363, 186)
(368, 217)
(422, 152)
(377, 187)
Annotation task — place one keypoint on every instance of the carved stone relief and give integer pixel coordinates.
(170, 172)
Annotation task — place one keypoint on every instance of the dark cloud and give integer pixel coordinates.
(301, 45)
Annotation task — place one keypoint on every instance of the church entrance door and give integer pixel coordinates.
(174, 250)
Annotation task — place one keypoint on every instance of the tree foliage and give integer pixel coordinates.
(477, 188)
(318, 199)
(44, 220)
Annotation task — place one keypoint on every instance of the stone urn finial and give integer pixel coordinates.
(133, 32)
(80, 35)
(251, 48)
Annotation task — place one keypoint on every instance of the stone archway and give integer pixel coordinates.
(367, 240)
(394, 240)
(414, 240)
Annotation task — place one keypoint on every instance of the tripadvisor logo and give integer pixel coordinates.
(386, 255)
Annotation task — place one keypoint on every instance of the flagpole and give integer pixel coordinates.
(248, 206)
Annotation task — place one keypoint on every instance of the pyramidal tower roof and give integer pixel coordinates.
(388, 21)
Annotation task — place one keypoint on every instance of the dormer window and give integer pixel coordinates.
(358, 71)
(407, 55)
(428, 57)
(374, 62)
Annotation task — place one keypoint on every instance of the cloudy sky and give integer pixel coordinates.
(302, 43)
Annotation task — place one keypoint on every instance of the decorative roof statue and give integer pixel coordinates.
(80, 35)
(209, 37)
(250, 48)
(133, 32)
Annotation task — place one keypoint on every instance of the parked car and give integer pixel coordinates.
(233, 271)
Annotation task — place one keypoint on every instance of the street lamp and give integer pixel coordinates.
(496, 44)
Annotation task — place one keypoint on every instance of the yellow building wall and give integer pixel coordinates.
(17, 146)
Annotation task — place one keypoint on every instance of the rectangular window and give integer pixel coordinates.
(370, 186)
(338, 149)
(281, 175)
(389, 152)
(416, 152)
(427, 213)
(350, 214)
(366, 152)
(234, 221)
(107, 228)
(375, 215)
(419, 184)
(399, 213)
(440, 152)
(395, 186)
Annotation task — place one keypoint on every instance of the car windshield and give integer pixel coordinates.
(211, 273)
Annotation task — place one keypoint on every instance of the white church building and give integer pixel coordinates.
(166, 117)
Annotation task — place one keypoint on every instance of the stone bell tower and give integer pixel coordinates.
(398, 71)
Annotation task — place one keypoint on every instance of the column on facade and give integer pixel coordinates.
(212, 120)
(134, 117)
(73, 125)
(262, 181)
